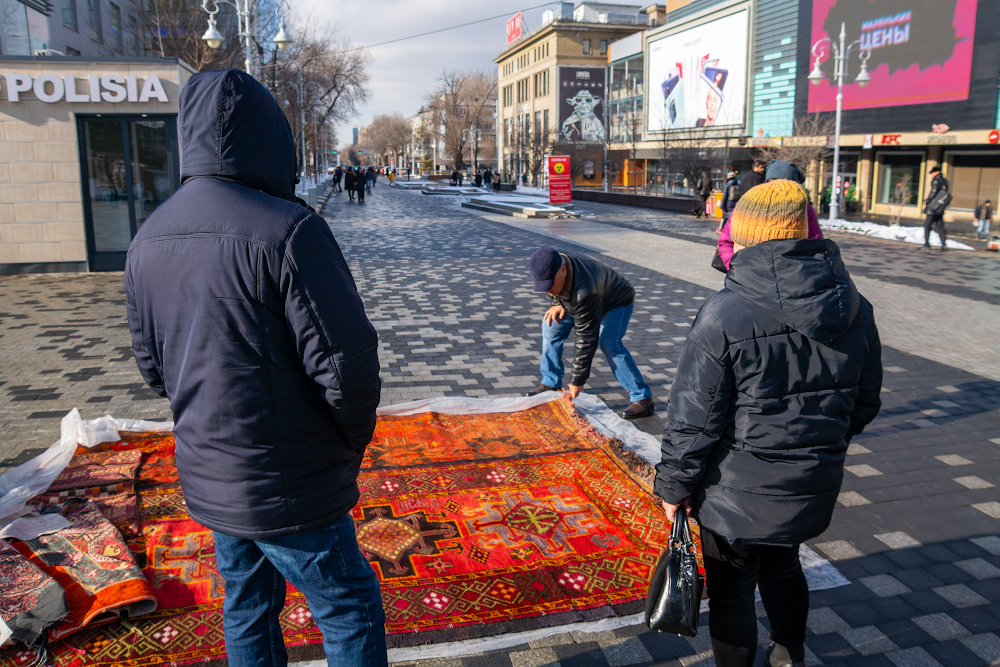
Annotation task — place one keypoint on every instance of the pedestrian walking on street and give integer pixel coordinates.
(497, 180)
(704, 192)
(461, 177)
(779, 371)
(479, 179)
(984, 213)
(369, 178)
(374, 175)
(934, 210)
(595, 301)
(392, 178)
(488, 179)
(338, 174)
(454, 177)
(349, 183)
(730, 195)
(244, 314)
(360, 184)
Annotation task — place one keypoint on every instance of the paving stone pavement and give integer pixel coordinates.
(448, 291)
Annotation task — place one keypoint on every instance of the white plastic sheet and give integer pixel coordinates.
(5, 632)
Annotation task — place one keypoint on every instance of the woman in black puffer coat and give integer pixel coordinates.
(780, 370)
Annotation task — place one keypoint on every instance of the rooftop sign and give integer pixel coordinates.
(515, 27)
(114, 88)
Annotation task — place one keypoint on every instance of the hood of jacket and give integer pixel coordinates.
(800, 282)
(232, 128)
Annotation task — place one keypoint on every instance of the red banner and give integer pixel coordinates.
(560, 180)
(515, 27)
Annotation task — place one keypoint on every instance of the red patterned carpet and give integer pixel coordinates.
(476, 525)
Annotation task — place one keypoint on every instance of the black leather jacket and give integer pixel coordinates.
(937, 184)
(596, 289)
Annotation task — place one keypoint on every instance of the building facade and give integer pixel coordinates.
(88, 149)
(932, 100)
(552, 86)
(82, 28)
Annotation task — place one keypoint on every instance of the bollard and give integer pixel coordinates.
(312, 196)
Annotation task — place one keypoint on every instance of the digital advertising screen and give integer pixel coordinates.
(697, 78)
(581, 104)
(921, 52)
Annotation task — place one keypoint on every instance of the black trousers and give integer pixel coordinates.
(733, 572)
(701, 209)
(361, 193)
(937, 222)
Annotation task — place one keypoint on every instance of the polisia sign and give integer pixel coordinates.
(114, 88)
(560, 180)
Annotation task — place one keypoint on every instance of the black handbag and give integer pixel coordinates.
(674, 598)
(717, 262)
(941, 201)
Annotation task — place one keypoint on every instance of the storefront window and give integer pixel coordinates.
(974, 179)
(130, 169)
(900, 179)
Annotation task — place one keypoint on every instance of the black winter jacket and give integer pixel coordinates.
(728, 203)
(780, 370)
(938, 183)
(750, 180)
(245, 315)
(597, 289)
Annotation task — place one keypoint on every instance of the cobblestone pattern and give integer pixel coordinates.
(449, 293)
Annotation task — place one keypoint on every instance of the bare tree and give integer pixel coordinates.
(691, 152)
(809, 143)
(902, 191)
(387, 136)
(462, 104)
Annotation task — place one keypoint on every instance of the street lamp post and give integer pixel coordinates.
(471, 134)
(841, 54)
(301, 89)
(244, 13)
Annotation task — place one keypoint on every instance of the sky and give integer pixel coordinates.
(404, 74)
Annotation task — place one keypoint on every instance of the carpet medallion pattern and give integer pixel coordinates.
(476, 525)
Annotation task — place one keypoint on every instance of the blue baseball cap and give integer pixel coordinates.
(544, 263)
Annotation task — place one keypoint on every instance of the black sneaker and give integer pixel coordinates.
(541, 389)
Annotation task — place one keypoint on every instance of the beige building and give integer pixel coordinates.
(560, 60)
(88, 148)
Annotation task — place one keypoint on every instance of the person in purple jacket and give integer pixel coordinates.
(779, 169)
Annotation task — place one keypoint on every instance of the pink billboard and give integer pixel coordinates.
(921, 52)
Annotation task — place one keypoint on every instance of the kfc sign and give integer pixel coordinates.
(113, 88)
(515, 27)
(890, 139)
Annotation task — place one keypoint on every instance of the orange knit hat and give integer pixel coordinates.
(772, 210)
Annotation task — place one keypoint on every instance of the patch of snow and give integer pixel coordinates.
(891, 233)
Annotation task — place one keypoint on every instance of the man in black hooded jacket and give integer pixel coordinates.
(780, 370)
(244, 314)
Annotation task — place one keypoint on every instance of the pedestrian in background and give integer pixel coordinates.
(935, 218)
(755, 177)
(730, 195)
(704, 192)
(479, 179)
(273, 389)
(461, 177)
(349, 182)
(360, 184)
(777, 170)
(779, 371)
(984, 213)
(392, 177)
(369, 176)
(595, 301)
(338, 174)
(488, 179)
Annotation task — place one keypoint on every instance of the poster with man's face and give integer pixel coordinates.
(697, 77)
(921, 52)
(581, 104)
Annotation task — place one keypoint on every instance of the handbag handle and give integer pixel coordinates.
(680, 534)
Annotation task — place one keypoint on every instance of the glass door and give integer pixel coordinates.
(129, 167)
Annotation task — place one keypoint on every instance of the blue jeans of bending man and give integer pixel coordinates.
(614, 324)
(327, 566)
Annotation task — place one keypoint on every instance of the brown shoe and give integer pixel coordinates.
(638, 409)
(542, 388)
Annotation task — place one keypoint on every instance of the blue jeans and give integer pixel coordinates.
(327, 566)
(613, 327)
(983, 228)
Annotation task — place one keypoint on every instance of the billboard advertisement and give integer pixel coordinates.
(515, 27)
(581, 104)
(921, 52)
(698, 77)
